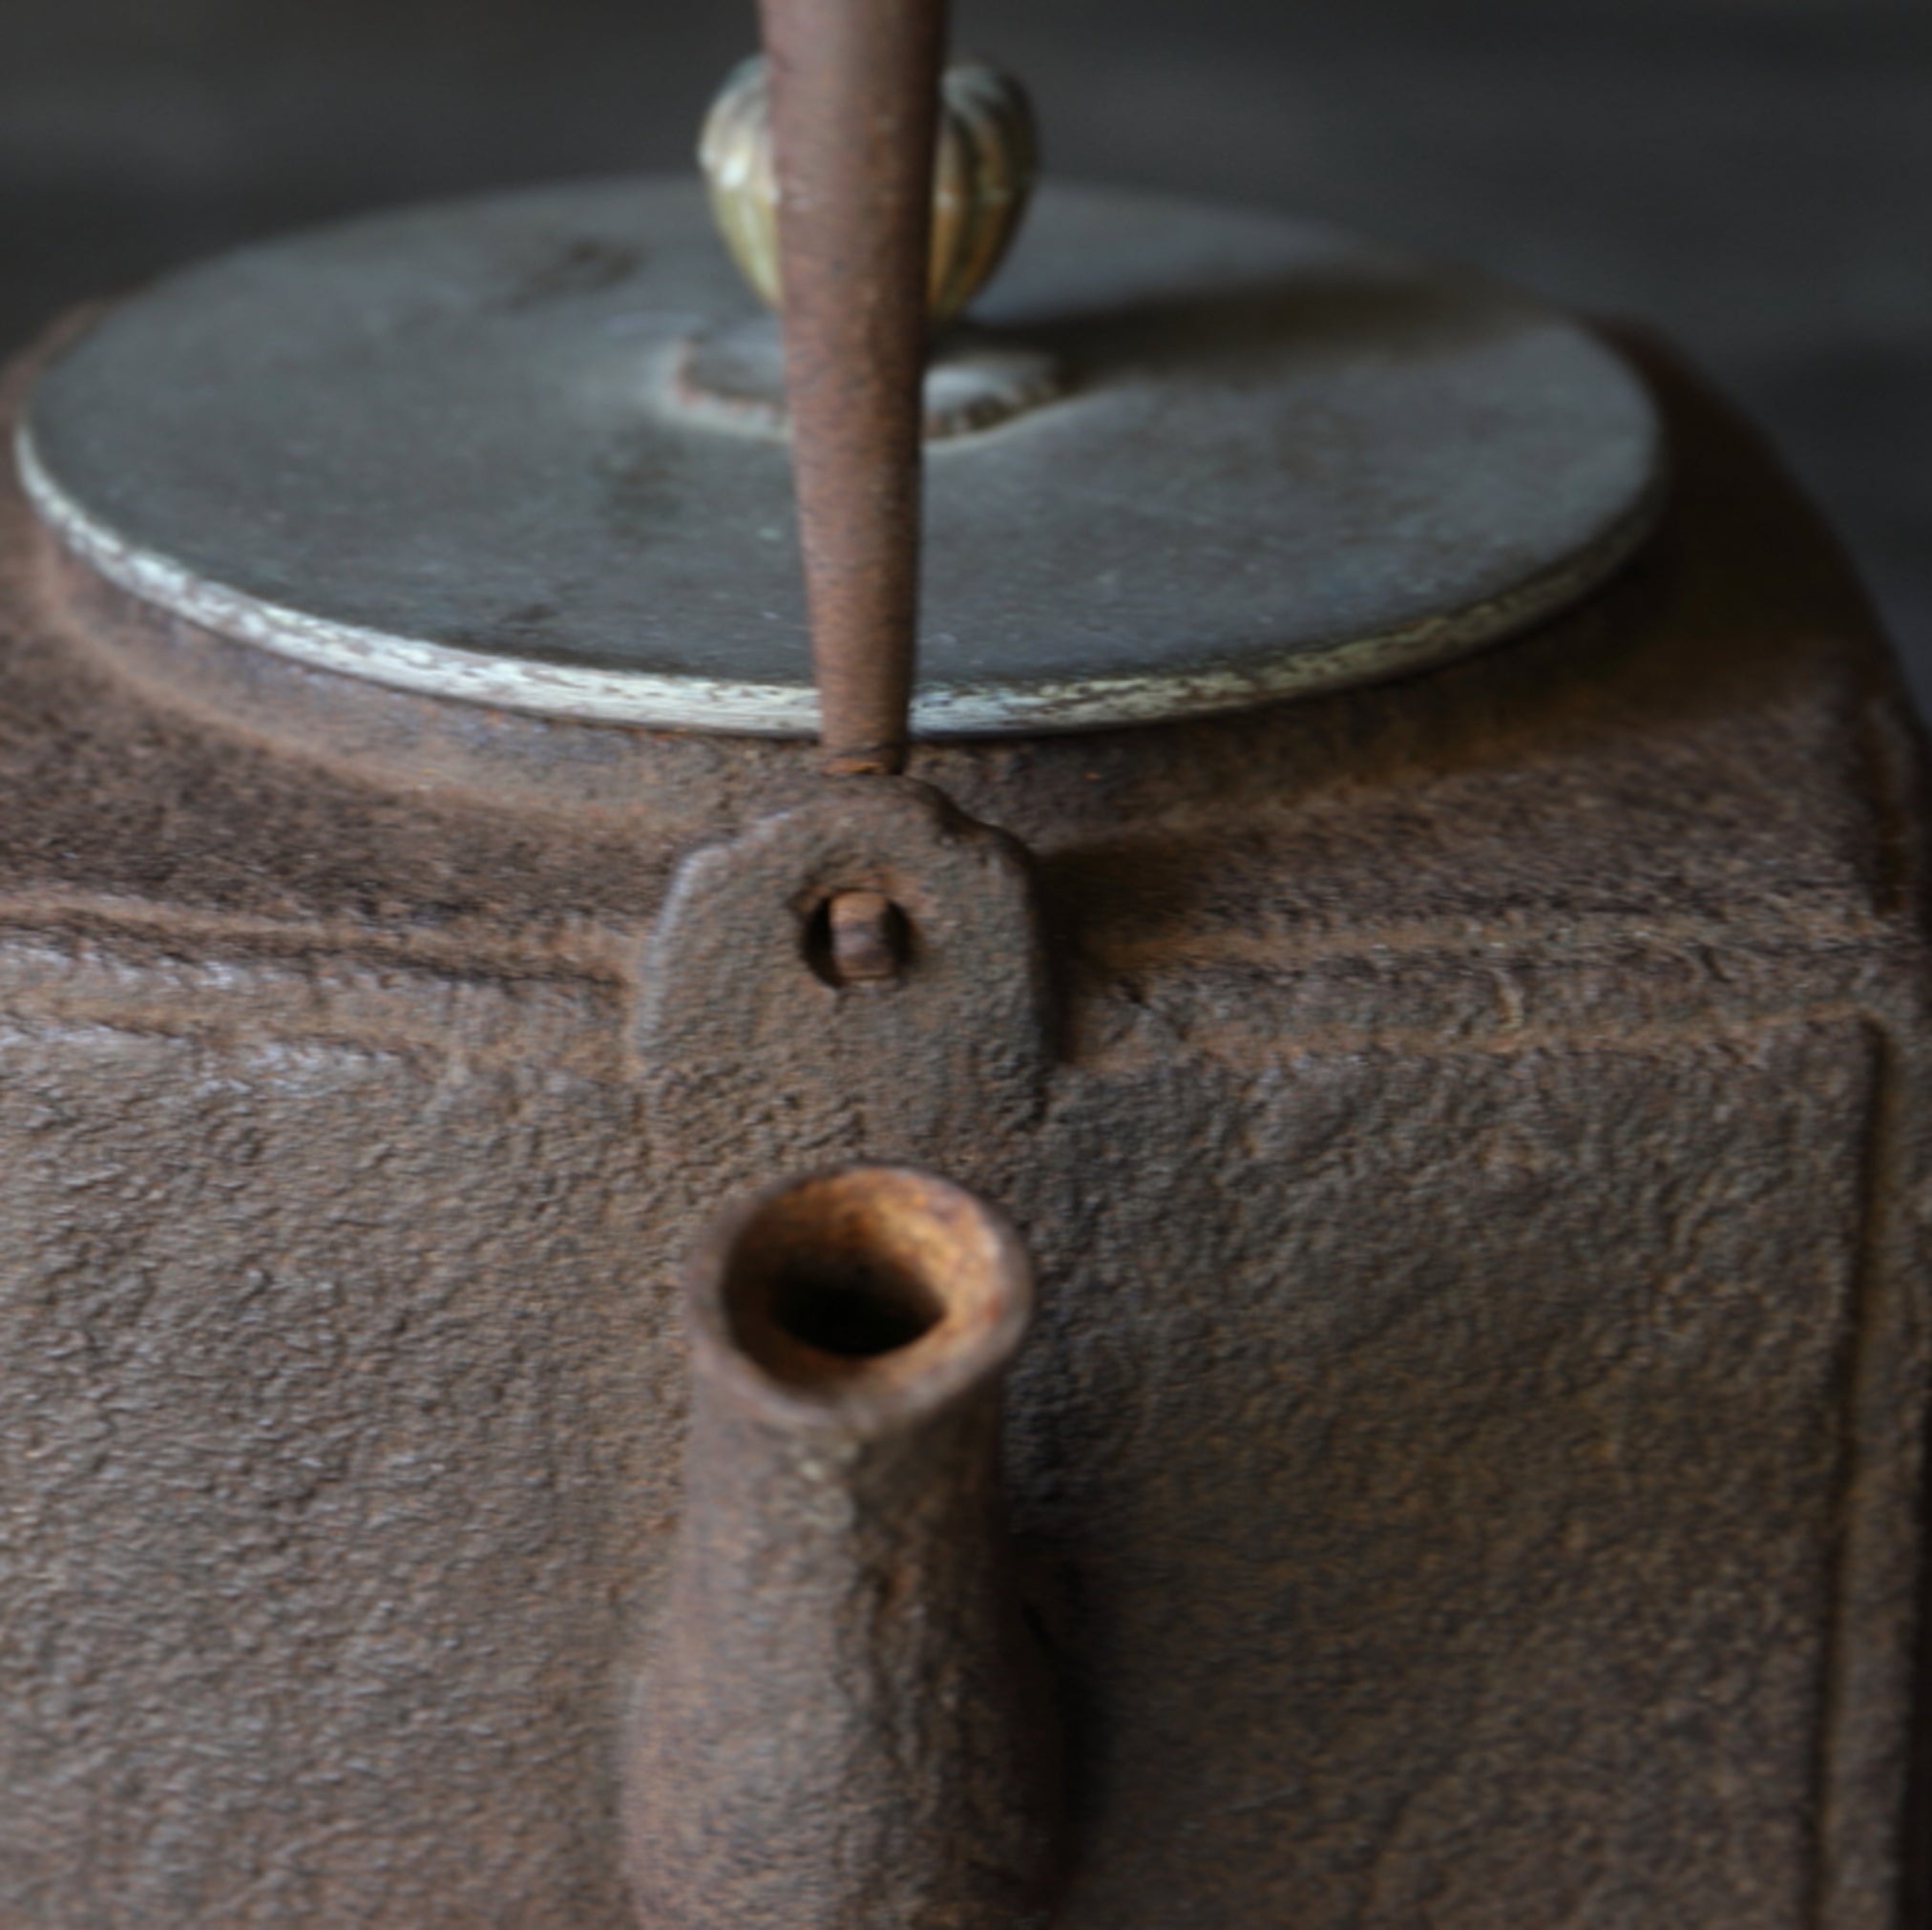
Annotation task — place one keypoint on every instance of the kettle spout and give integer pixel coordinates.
(845, 1724)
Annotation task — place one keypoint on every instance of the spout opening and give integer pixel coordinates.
(852, 1310)
(868, 1281)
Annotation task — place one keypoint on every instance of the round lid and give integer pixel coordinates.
(514, 450)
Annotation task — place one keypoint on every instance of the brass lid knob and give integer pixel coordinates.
(983, 176)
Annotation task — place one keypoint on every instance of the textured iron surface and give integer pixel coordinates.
(1286, 460)
(757, 1065)
(844, 1723)
(1469, 1447)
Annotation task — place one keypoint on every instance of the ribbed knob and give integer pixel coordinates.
(987, 158)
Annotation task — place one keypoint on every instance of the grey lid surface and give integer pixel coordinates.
(441, 448)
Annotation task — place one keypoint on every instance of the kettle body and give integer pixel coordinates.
(1470, 1132)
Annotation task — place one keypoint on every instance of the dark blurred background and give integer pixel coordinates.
(1754, 176)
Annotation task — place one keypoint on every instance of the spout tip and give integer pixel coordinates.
(867, 1292)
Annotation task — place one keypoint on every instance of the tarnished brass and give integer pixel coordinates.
(985, 166)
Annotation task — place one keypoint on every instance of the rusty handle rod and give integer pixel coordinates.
(854, 107)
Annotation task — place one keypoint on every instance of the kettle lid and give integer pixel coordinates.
(528, 449)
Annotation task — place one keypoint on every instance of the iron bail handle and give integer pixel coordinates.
(854, 108)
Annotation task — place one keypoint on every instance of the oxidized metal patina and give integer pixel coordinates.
(1466, 1462)
(1455, 1153)
(846, 1719)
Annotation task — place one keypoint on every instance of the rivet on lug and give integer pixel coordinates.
(866, 938)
